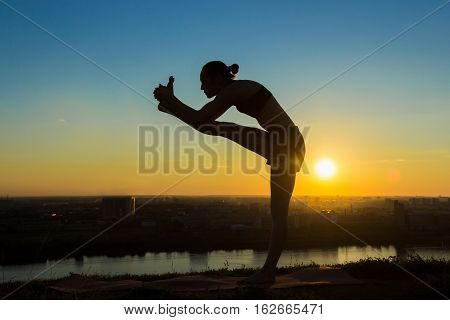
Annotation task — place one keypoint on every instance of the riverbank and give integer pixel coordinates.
(383, 279)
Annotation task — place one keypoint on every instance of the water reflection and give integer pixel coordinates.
(198, 260)
(158, 263)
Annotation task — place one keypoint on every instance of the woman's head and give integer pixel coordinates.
(215, 75)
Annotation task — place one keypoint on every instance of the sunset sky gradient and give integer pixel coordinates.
(68, 128)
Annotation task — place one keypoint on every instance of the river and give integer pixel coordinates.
(181, 262)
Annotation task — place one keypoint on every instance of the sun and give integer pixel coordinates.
(325, 168)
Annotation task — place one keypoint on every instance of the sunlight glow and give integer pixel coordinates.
(325, 169)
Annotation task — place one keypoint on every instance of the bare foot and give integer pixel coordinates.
(258, 278)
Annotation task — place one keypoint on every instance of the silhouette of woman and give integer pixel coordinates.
(281, 142)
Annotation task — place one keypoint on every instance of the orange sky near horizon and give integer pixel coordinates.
(97, 167)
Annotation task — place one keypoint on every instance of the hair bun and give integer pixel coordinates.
(234, 68)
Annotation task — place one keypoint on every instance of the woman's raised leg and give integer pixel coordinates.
(253, 139)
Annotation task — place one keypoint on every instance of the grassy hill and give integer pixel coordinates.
(385, 279)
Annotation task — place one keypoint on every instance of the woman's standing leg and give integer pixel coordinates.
(281, 188)
(282, 181)
(282, 184)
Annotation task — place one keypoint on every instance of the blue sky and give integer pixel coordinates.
(292, 47)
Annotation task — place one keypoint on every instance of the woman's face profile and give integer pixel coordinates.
(209, 86)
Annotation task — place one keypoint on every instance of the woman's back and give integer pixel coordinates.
(255, 100)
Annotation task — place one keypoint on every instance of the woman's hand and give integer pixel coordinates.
(164, 94)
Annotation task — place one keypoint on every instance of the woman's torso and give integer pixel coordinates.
(253, 99)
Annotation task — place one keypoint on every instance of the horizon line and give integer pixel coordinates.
(215, 195)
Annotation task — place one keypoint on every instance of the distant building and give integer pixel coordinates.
(118, 206)
(401, 218)
(422, 222)
(294, 221)
(6, 203)
(424, 201)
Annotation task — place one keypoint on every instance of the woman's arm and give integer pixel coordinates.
(179, 110)
(195, 118)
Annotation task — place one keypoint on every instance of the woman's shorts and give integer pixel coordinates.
(286, 149)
